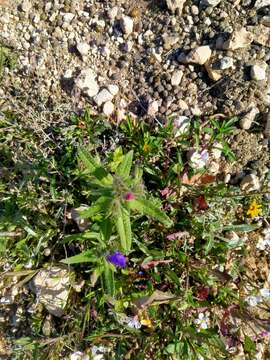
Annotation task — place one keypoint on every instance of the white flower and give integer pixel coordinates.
(199, 159)
(253, 300)
(267, 235)
(265, 293)
(78, 355)
(131, 322)
(217, 150)
(262, 244)
(181, 125)
(29, 265)
(98, 352)
(134, 323)
(202, 321)
(200, 357)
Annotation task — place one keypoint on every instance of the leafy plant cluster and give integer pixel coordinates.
(180, 260)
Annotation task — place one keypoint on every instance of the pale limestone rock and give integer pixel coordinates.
(258, 71)
(248, 118)
(261, 3)
(86, 82)
(176, 77)
(126, 25)
(83, 48)
(238, 39)
(265, 20)
(26, 6)
(199, 55)
(182, 105)
(250, 183)
(112, 13)
(68, 17)
(52, 287)
(108, 108)
(102, 97)
(214, 75)
(174, 5)
(153, 108)
(261, 35)
(113, 89)
(169, 41)
(212, 3)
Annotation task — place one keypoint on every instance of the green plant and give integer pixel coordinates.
(115, 195)
(7, 59)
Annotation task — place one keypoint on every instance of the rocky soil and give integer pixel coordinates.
(148, 58)
(151, 59)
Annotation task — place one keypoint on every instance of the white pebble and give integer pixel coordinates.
(113, 89)
(108, 108)
(258, 71)
(83, 48)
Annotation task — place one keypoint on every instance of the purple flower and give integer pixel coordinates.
(117, 259)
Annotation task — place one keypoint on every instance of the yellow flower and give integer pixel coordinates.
(145, 320)
(146, 148)
(254, 209)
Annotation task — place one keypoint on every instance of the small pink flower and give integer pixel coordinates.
(129, 196)
(166, 192)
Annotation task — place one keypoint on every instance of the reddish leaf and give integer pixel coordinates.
(153, 263)
(177, 235)
(198, 179)
(201, 203)
(203, 293)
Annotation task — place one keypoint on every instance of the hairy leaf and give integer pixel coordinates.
(82, 236)
(101, 206)
(147, 207)
(86, 256)
(94, 168)
(124, 168)
(241, 227)
(123, 226)
(106, 229)
(108, 282)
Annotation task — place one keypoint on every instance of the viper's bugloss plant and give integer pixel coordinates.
(114, 196)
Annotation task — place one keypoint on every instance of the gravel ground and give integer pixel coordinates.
(140, 57)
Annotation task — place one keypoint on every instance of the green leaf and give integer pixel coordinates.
(86, 256)
(88, 160)
(249, 345)
(94, 168)
(210, 243)
(172, 348)
(147, 207)
(123, 226)
(108, 283)
(82, 236)
(101, 206)
(241, 227)
(124, 168)
(117, 158)
(106, 229)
